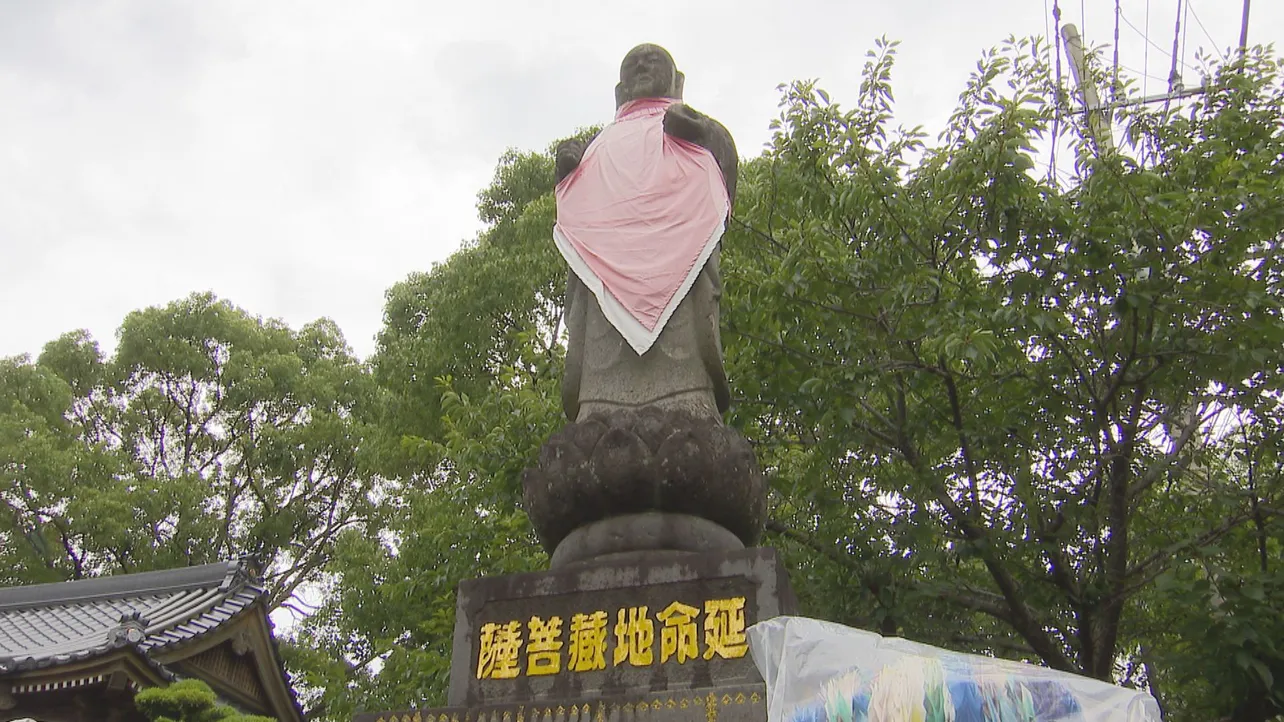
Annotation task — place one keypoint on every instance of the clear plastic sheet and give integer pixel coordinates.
(822, 672)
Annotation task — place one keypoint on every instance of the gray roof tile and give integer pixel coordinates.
(48, 624)
(51, 623)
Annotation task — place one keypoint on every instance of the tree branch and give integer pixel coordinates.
(965, 446)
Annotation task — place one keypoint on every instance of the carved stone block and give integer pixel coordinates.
(632, 462)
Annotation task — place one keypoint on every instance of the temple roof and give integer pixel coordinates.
(48, 624)
(159, 618)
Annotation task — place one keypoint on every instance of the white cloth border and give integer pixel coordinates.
(639, 337)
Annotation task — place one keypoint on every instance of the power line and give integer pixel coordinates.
(1083, 20)
(1201, 27)
(1062, 174)
(1115, 93)
(1145, 58)
(1185, 31)
(1140, 73)
(1056, 117)
(1056, 23)
(1047, 28)
(1150, 42)
(1243, 30)
(1174, 80)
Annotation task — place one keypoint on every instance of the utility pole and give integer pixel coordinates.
(1098, 122)
(1098, 114)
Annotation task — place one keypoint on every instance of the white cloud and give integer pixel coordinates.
(299, 157)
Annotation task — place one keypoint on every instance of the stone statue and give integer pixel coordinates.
(646, 465)
(683, 369)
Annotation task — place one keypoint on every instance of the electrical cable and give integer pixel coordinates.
(1056, 116)
(1114, 93)
(1149, 42)
(1056, 22)
(1145, 58)
(1139, 73)
(1174, 80)
(1210, 37)
(1047, 29)
(1083, 20)
(1185, 31)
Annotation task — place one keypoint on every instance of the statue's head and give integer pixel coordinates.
(648, 71)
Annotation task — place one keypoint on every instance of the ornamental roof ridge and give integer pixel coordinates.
(222, 575)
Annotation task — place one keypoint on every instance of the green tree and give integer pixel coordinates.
(39, 457)
(1217, 619)
(998, 404)
(207, 435)
(1027, 414)
(188, 700)
(471, 353)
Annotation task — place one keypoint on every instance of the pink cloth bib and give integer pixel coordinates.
(638, 219)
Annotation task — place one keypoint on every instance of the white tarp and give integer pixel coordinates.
(822, 672)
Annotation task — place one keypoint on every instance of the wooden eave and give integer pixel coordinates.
(250, 629)
(125, 665)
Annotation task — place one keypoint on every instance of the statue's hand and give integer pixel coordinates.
(569, 153)
(680, 121)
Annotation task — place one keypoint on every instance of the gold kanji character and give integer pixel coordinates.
(588, 642)
(498, 650)
(678, 637)
(543, 650)
(634, 635)
(724, 628)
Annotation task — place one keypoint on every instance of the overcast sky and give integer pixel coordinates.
(299, 157)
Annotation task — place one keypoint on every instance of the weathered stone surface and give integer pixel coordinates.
(683, 370)
(645, 460)
(645, 501)
(623, 538)
(740, 703)
(753, 579)
(646, 431)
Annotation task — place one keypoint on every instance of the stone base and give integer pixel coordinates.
(650, 536)
(653, 637)
(746, 703)
(646, 460)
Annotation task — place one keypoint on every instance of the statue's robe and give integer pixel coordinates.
(639, 223)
